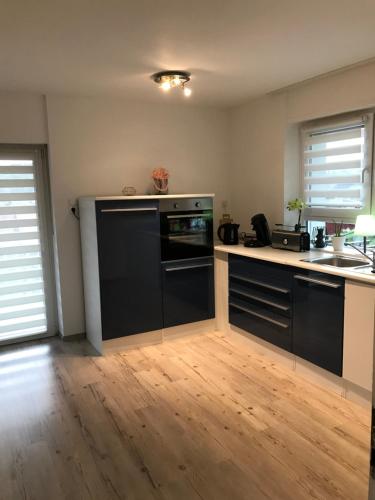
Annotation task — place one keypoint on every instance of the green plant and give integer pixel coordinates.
(299, 205)
(338, 228)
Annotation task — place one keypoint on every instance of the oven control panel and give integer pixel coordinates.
(186, 204)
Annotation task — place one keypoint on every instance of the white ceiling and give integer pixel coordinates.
(235, 49)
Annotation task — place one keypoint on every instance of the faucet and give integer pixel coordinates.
(371, 259)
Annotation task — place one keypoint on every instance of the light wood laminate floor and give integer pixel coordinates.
(194, 418)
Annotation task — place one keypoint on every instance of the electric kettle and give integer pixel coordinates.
(228, 233)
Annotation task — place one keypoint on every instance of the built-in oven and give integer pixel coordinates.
(186, 227)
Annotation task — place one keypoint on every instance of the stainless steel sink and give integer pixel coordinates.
(338, 261)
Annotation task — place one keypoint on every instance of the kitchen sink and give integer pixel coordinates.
(338, 261)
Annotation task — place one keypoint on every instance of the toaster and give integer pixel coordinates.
(291, 240)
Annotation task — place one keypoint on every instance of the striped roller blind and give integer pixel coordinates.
(333, 167)
(22, 289)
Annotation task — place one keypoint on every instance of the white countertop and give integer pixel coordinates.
(149, 196)
(289, 258)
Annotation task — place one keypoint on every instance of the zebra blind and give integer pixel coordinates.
(22, 287)
(335, 170)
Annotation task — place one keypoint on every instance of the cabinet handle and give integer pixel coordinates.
(182, 268)
(259, 283)
(259, 299)
(186, 216)
(317, 282)
(145, 209)
(261, 316)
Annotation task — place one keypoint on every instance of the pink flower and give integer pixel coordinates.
(160, 173)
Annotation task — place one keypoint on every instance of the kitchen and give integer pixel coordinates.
(187, 404)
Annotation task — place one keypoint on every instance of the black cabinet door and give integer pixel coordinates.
(318, 319)
(129, 267)
(188, 291)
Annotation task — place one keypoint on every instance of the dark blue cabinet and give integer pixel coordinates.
(188, 291)
(128, 234)
(300, 311)
(260, 299)
(318, 319)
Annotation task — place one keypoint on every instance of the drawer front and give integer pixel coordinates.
(260, 299)
(261, 324)
(268, 274)
(260, 295)
(188, 291)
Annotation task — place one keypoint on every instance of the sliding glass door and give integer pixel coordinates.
(27, 292)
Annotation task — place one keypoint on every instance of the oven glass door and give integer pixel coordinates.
(186, 235)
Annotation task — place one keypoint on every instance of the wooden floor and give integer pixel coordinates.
(193, 418)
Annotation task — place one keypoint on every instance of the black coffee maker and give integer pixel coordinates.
(228, 233)
(262, 231)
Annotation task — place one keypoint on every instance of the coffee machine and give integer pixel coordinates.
(262, 232)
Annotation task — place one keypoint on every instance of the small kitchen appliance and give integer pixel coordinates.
(262, 232)
(228, 233)
(291, 240)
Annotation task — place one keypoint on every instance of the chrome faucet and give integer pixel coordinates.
(371, 259)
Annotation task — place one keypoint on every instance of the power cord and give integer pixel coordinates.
(75, 212)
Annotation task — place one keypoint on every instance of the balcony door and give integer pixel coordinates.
(27, 291)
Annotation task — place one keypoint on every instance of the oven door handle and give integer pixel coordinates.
(187, 216)
(183, 268)
(116, 210)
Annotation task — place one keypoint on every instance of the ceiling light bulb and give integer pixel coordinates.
(170, 79)
(165, 85)
(187, 91)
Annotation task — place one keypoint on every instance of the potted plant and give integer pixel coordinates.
(299, 205)
(338, 239)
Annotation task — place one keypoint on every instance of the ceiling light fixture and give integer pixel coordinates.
(173, 79)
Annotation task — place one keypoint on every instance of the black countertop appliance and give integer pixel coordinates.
(297, 241)
(262, 231)
(228, 233)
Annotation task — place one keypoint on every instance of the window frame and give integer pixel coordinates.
(345, 214)
(38, 153)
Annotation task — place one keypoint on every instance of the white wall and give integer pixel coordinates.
(261, 128)
(257, 155)
(98, 145)
(22, 118)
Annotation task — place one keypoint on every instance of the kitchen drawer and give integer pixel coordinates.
(271, 313)
(263, 296)
(264, 274)
(188, 291)
(262, 324)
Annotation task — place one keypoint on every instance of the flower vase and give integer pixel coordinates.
(161, 186)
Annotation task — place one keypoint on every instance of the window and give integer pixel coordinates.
(329, 231)
(26, 284)
(337, 168)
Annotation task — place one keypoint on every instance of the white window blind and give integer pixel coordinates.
(336, 168)
(23, 307)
